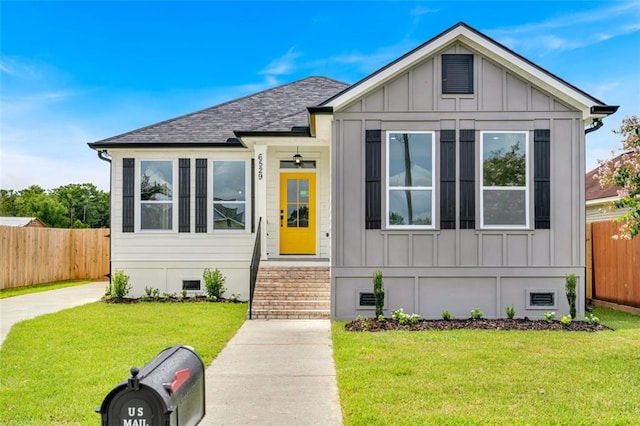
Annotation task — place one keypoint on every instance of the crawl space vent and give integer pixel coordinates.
(367, 299)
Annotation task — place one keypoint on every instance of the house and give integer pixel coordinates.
(457, 170)
(600, 199)
(32, 222)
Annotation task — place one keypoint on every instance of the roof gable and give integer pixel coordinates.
(473, 39)
(279, 109)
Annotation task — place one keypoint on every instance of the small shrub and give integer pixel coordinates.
(477, 314)
(404, 318)
(214, 282)
(380, 317)
(565, 319)
(184, 294)
(378, 292)
(446, 315)
(570, 288)
(510, 311)
(148, 291)
(155, 293)
(120, 285)
(591, 319)
(549, 316)
(235, 297)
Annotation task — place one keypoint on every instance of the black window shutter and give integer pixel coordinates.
(201, 195)
(457, 74)
(447, 179)
(467, 179)
(542, 178)
(373, 182)
(128, 194)
(184, 197)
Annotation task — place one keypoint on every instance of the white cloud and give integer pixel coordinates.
(282, 65)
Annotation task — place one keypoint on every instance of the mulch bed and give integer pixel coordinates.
(372, 324)
(190, 299)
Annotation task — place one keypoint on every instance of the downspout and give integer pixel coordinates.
(595, 125)
(104, 156)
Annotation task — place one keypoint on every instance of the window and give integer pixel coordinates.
(457, 74)
(410, 179)
(156, 195)
(229, 195)
(504, 198)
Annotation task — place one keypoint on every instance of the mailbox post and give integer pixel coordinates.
(168, 391)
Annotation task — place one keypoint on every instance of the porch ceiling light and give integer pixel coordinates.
(297, 159)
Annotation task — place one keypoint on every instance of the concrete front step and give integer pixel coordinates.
(286, 295)
(291, 304)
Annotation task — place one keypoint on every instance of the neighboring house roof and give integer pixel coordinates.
(590, 106)
(593, 188)
(280, 109)
(22, 221)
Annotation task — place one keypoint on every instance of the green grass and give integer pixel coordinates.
(11, 292)
(56, 369)
(481, 377)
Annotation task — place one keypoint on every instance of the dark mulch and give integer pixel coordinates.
(372, 324)
(191, 299)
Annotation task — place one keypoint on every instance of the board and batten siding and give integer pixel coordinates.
(163, 260)
(426, 271)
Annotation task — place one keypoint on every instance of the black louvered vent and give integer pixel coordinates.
(540, 299)
(193, 285)
(373, 189)
(447, 179)
(542, 178)
(366, 299)
(201, 195)
(467, 179)
(128, 194)
(457, 74)
(184, 197)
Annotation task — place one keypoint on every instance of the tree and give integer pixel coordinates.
(625, 174)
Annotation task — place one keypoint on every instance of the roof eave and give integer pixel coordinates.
(230, 143)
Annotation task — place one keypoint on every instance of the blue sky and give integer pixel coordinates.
(77, 72)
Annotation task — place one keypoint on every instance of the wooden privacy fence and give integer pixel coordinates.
(31, 256)
(615, 271)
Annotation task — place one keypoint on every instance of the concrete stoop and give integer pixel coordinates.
(292, 292)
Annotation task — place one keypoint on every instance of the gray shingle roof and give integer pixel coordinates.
(277, 109)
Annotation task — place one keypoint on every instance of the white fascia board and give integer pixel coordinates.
(487, 48)
(599, 201)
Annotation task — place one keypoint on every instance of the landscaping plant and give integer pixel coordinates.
(446, 315)
(378, 293)
(214, 282)
(570, 288)
(510, 311)
(120, 285)
(549, 316)
(477, 314)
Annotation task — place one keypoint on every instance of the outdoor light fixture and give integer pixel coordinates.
(297, 159)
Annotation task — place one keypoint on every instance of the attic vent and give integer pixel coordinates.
(457, 74)
(191, 285)
(541, 299)
(366, 299)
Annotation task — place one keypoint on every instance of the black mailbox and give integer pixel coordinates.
(169, 391)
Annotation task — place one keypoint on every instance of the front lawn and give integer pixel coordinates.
(482, 377)
(56, 369)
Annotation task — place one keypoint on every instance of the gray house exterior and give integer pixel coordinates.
(456, 170)
(416, 193)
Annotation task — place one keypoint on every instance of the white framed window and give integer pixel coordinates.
(156, 195)
(230, 195)
(504, 193)
(410, 171)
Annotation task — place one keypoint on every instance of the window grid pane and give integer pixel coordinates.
(410, 179)
(504, 179)
(229, 195)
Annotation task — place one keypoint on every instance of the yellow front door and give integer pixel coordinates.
(297, 213)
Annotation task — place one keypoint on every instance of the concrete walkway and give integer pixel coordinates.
(272, 372)
(20, 308)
